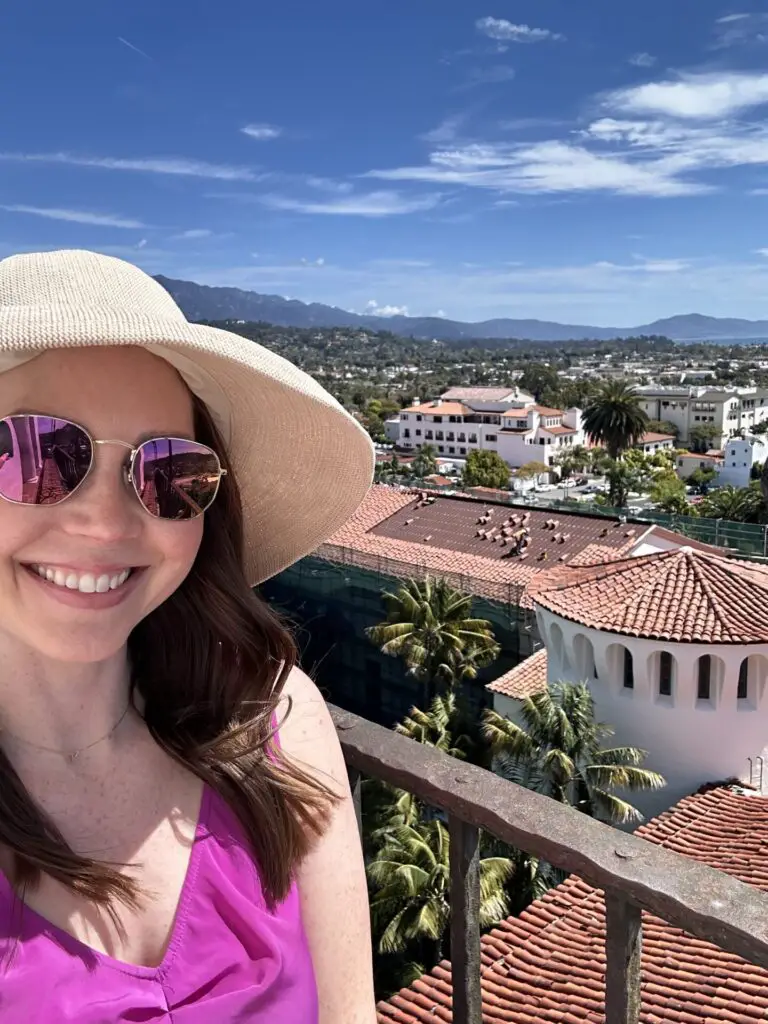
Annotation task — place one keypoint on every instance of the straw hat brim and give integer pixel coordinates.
(302, 462)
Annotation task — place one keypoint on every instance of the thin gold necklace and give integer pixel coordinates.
(70, 755)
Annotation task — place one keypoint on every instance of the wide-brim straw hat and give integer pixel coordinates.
(302, 462)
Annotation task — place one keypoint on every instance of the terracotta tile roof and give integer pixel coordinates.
(653, 438)
(699, 457)
(478, 394)
(525, 679)
(443, 409)
(453, 523)
(544, 410)
(377, 538)
(548, 965)
(682, 595)
(559, 428)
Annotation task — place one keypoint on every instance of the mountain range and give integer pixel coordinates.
(202, 302)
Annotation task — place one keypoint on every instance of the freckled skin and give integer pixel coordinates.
(117, 393)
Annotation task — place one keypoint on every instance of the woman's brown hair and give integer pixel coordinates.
(209, 664)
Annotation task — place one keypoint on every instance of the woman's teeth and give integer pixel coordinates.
(85, 582)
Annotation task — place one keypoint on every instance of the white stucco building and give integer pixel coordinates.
(725, 410)
(515, 426)
(652, 442)
(739, 456)
(674, 647)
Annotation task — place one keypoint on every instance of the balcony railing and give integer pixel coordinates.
(634, 874)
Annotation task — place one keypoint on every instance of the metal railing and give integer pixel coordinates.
(634, 874)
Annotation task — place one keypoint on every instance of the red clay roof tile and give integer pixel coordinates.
(686, 595)
(548, 965)
(525, 679)
(376, 537)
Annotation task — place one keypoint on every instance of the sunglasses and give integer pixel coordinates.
(44, 459)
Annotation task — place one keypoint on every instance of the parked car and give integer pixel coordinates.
(546, 487)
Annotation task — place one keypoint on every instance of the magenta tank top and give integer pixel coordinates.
(230, 960)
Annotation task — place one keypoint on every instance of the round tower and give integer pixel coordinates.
(674, 647)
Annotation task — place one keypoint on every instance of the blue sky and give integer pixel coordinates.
(594, 162)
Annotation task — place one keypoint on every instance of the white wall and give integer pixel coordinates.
(739, 457)
(690, 742)
(392, 429)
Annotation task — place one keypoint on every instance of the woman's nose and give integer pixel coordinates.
(104, 506)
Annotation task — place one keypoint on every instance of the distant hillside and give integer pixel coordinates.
(201, 302)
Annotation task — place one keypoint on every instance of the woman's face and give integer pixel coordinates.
(123, 394)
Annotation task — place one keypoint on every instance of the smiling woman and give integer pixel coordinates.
(132, 526)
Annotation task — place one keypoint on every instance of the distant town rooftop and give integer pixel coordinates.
(481, 394)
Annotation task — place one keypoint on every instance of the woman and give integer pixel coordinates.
(177, 840)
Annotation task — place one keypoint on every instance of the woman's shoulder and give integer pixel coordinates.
(306, 729)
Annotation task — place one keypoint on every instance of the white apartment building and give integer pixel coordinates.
(740, 455)
(650, 443)
(518, 429)
(727, 410)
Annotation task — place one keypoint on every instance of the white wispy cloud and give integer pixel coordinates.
(657, 139)
(741, 29)
(446, 131)
(262, 132)
(370, 204)
(192, 233)
(328, 185)
(642, 60)
(492, 75)
(550, 166)
(507, 31)
(372, 308)
(134, 48)
(104, 220)
(698, 97)
(151, 165)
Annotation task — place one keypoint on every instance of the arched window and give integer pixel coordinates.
(742, 691)
(665, 674)
(558, 645)
(584, 655)
(704, 682)
(628, 670)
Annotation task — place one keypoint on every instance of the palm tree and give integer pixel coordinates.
(436, 727)
(388, 472)
(424, 462)
(429, 625)
(411, 876)
(559, 752)
(739, 504)
(614, 417)
(622, 479)
(581, 456)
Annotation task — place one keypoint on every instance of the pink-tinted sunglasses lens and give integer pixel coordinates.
(175, 478)
(42, 459)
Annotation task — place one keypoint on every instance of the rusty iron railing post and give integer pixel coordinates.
(465, 921)
(356, 786)
(623, 945)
